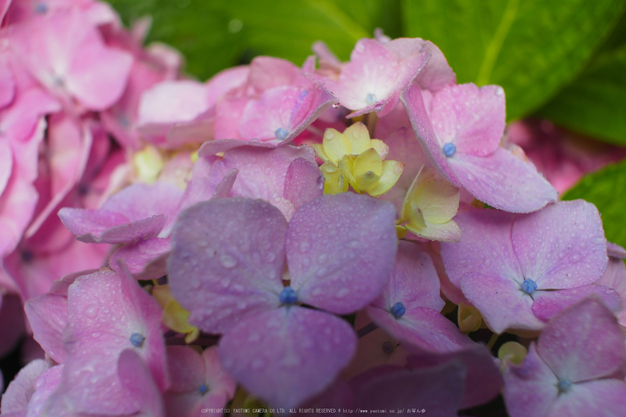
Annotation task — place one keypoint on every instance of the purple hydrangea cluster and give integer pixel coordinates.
(283, 237)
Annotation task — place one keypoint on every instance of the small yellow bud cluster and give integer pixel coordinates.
(353, 159)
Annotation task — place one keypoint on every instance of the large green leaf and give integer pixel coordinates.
(595, 103)
(217, 34)
(606, 189)
(530, 47)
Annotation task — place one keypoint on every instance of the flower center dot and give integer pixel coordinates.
(449, 149)
(564, 385)
(288, 296)
(398, 310)
(529, 286)
(137, 340)
(203, 389)
(281, 133)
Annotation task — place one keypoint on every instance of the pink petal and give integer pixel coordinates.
(139, 383)
(268, 72)
(7, 84)
(21, 389)
(287, 355)
(340, 250)
(374, 75)
(301, 179)
(471, 118)
(172, 102)
(501, 302)
(45, 385)
(105, 310)
(413, 99)
(503, 181)
(227, 261)
(564, 343)
(603, 398)
(223, 82)
(549, 303)
(529, 388)
(561, 246)
(47, 316)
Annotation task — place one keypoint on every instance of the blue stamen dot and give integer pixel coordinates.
(288, 296)
(398, 310)
(529, 286)
(281, 133)
(370, 98)
(41, 8)
(449, 149)
(203, 389)
(564, 385)
(136, 339)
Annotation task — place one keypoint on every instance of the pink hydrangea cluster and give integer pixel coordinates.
(283, 237)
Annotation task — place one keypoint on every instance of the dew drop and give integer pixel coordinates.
(304, 247)
(270, 257)
(92, 312)
(342, 293)
(335, 105)
(227, 261)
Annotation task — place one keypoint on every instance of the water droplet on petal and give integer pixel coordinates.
(227, 261)
(304, 247)
(92, 312)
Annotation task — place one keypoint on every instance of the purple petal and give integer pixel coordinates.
(145, 259)
(485, 246)
(561, 246)
(529, 388)
(340, 250)
(287, 355)
(565, 346)
(137, 212)
(421, 329)
(438, 390)
(483, 379)
(412, 281)
(615, 251)
(227, 261)
(549, 303)
(501, 302)
(503, 181)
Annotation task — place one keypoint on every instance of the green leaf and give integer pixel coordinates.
(595, 103)
(606, 189)
(530, 47)
(217, 34)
